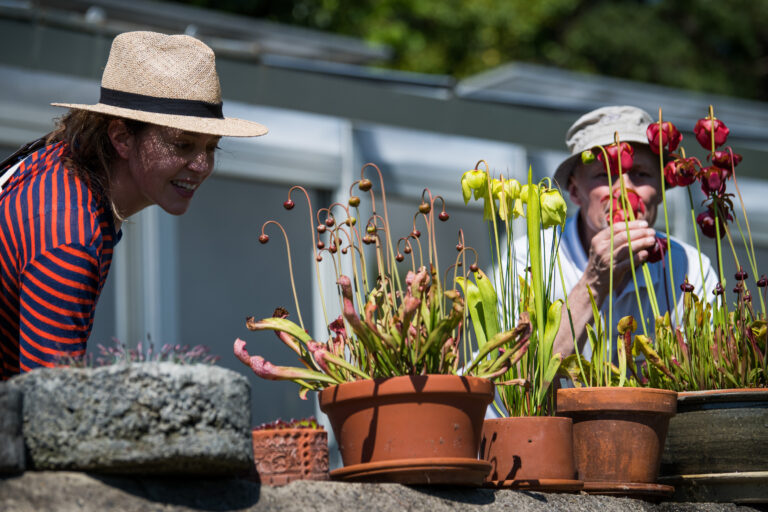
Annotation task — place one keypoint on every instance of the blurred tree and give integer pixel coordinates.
(706, 45)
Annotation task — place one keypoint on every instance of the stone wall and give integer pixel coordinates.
(36, 491)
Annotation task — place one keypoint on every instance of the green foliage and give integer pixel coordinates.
(703, 45)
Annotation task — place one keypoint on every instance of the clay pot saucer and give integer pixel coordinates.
(421, 471)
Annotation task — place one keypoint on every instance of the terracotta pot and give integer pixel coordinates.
(533, 452)
(392, 429)
(618, 433)
(717, 446)
(284, 455)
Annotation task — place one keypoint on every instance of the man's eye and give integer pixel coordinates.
(182, 145)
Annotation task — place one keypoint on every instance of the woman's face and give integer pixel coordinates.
(167, 165)
(588, 188)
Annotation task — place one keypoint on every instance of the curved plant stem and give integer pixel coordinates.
(290, 266)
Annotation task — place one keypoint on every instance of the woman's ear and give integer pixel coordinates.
(122, 139)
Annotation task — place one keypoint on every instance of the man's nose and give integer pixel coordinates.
(627, 181)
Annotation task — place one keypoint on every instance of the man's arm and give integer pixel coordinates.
(597, 278)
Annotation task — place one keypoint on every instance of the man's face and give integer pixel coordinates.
(588, 188)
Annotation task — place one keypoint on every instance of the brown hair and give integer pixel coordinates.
(90, 149)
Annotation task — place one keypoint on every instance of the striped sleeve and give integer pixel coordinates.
(57, 299)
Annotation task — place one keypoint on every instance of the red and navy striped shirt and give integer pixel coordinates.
(56, 242)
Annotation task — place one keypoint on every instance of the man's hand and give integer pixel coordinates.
(597, 274)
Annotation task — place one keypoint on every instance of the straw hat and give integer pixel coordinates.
(597, 128)
(167, 81)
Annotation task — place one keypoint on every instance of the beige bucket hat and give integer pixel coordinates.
(167, 81)
(597, 128)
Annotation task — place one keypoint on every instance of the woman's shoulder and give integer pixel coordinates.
(46, 197)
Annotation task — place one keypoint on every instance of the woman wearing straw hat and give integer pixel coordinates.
(149, 140)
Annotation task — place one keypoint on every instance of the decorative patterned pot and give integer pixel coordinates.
(532, 452)
(618, 436)
(414, 429)
(284, 455)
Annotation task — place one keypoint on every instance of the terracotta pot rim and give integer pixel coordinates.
(286, 430)
(529, 419)
(424, 385)
(604, 399)
(723, 395)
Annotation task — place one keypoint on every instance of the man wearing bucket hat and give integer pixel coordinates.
(585, 245)
(149, 140)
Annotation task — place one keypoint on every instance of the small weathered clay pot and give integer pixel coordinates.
(530, 452)
(618, 433)
(284, 455)
(393, 429)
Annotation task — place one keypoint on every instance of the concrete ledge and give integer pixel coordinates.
(138, 418)
(35, 491)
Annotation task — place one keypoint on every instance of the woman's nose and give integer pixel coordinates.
(201, 163)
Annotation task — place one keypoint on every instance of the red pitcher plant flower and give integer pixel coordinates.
(726, 159)
(634, 202)
(706, 222)
(704, 132)
(614, 153)
(681, 172)
(670, 136)
(658, 251)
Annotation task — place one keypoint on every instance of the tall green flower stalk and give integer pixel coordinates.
(519, 294)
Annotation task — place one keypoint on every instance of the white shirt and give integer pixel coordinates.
(573, 259)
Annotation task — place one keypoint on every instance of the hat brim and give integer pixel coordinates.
(226, 127)
(564, 171)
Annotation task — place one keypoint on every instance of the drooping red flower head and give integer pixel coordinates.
(681, 172)
(703, 131)
(613, 157)
(670, 136)
(659, 250)
(723, 159)
(633, 202)
(706, 221)
(713, 180)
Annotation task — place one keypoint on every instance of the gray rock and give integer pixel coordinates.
(11, 441)
(148, 418)
(36, 491)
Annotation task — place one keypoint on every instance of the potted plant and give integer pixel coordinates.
(284, 451)
(715, 352)
(397, 375)
(620, 421)
(528, 447)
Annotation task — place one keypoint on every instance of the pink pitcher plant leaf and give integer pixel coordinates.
(269, 371)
